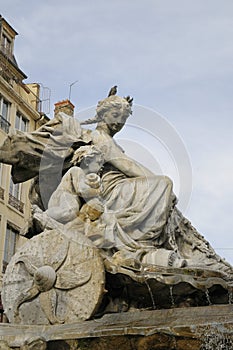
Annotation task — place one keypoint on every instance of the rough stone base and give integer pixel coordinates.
(180, 329)
(156, 341)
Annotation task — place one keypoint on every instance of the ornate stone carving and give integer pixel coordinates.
(53, 279)
(97, 211)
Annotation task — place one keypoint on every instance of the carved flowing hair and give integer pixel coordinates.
(85, 153)
(122, 103)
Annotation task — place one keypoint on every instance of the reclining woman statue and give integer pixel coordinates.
(139, 220)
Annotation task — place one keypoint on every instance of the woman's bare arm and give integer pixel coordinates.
(114, 155)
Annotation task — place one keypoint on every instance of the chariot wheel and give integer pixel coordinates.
(53, 278)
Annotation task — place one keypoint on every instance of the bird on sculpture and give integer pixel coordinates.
(113, 91)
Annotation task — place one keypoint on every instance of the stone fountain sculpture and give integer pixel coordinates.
(105, 234)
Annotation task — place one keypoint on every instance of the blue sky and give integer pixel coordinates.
(175, 57)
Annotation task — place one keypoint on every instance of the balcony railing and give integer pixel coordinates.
(4, 124)
(2, 193)
(16, 203)
(4, 266)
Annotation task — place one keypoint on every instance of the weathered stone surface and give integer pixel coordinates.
(4, 345)
(183, 326)
(153, 342)
(53, 279)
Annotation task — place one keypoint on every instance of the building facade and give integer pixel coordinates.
(20, 108)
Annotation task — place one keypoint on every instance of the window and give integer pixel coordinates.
(4, 114)
(6, 45)
(9, 247)
(5, 109)
(15, 189)
(1, 189)
(14, 196)
(21, 123)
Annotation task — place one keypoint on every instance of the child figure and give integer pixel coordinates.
(76, 206)
(79, 185)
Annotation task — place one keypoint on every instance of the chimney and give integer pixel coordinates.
(64, 106)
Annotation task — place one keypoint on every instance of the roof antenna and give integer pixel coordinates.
(71, 87)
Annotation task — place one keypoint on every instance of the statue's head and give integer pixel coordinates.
(88, 157)
(112, 112)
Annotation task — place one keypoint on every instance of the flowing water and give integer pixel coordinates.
(230, 297)
(208, 297)
(216, 338)
(151, 294)
(171, 296)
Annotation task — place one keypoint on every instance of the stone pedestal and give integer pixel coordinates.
(178, 328)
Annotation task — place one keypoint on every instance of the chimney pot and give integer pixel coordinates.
(64, 106)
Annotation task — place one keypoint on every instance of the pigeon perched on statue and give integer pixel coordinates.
(113, 91)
